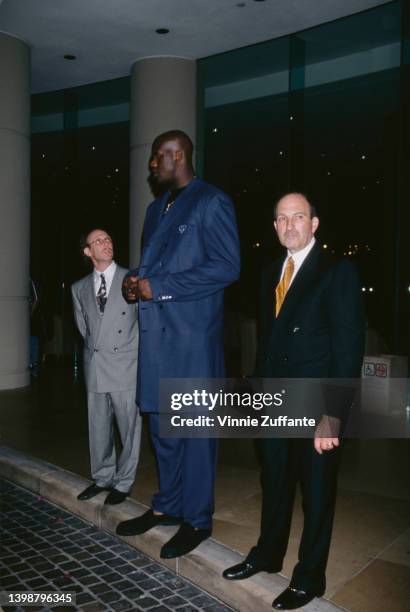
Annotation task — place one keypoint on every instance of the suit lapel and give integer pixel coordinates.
(157, 215)
(91, 306)
(305, 276)
(90, 293)
(164, 222)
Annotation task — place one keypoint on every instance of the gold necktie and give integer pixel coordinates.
(283, 286)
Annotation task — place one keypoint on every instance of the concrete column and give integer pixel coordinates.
(14, 211)
(163, 97)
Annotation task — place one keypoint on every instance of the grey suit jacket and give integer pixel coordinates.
(111, 340)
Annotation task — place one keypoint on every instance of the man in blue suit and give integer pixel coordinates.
(190, 254)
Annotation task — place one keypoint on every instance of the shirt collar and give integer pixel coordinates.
(108, 273)
(300, 256)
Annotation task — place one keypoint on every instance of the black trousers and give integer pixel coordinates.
(285, 462)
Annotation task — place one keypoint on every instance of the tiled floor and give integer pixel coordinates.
(44, 548)
(371, 540)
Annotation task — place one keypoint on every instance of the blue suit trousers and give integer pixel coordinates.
(187, 469)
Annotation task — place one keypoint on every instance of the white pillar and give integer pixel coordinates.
(163, 97)
(14, 211)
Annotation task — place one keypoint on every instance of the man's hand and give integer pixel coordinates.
(130, 289)
(327, 427)
(144, 289)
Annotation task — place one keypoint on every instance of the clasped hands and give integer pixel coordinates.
(135, 288)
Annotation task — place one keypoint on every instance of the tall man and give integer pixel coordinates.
(312, 327)
(190, 253)
(109, 327)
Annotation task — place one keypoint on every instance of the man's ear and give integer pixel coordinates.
(275, 226)
(87, 252)
(315, 224)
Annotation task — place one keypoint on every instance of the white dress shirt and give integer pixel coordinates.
(108, 275)
(298, 259)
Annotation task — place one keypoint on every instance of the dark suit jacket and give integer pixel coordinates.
(320, 329)
(189, 256)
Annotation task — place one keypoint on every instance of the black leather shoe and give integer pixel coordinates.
(146, 521)
(291, 599)
(91, 492)
(245, 570)
(186, 539)
(115, 497)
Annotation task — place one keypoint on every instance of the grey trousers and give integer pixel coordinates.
(106, 469)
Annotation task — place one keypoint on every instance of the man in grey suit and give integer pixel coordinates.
(109, 327)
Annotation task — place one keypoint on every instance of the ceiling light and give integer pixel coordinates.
(162, 31)
(68, 56)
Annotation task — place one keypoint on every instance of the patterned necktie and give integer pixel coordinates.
(102, 294)
(283, 286)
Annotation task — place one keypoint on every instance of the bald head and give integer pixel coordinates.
(171, 160)
(178, 139)
(295, 195)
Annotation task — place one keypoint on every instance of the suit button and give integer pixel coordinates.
(120, 331)
(115, 349)
(285, 360)
(95, 350)
(163, 329)
(123, 313)
(161, 305)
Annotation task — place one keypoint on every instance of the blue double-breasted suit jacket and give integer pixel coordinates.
(189, 256)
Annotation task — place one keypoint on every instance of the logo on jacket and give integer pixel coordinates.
(182, 228)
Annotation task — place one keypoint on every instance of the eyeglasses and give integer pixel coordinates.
(101, 241)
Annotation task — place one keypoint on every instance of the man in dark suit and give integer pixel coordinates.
(190, 254)
(312, 326)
